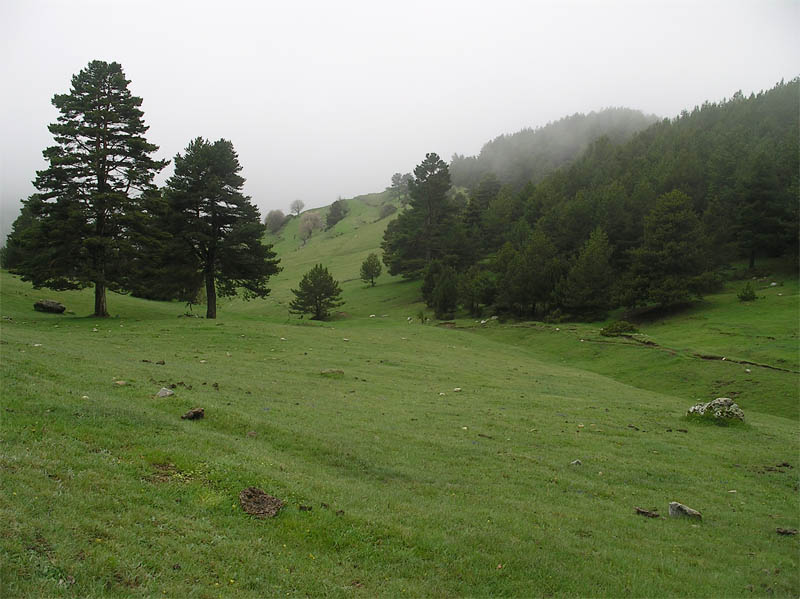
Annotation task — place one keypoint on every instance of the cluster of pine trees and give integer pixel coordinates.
(99, 220)
(642, 222)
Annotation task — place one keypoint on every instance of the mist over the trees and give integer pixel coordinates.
(324, 100)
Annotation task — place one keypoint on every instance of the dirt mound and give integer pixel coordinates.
(257, 503)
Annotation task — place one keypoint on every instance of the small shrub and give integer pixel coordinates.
(747, 294)
(621, 327)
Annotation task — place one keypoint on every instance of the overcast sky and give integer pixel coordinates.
(327, 99)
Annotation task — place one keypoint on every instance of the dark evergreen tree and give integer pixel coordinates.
(13, 252)
(476, 288)
(420, 234)
(666, 267)
(586, 290)
(217, 225)
(371, 269)
(165, 269)
(444, 298)
(432, 274)
(400, 186)
(88, 195)
(529, 276)
(485, 192)
(336, 212)
(317, 294)
(765, 224)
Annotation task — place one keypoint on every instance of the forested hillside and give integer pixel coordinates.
(643, 222)
(532, 154)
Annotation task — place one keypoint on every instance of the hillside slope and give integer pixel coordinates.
(395, 483)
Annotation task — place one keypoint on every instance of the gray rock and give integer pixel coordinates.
(678, 510)
(722, 408)
(164, 392)
(49, 306)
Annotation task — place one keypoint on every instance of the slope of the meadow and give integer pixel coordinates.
(414, 488)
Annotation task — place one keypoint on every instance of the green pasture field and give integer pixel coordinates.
(415, 489)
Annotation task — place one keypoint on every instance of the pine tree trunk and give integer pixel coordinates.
(211, 296)
(752, 257)
(100, 308)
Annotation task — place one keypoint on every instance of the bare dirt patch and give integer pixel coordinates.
(258, 503)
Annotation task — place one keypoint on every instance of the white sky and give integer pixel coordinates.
(326, 99)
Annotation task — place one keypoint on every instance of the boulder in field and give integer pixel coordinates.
(678, 510)
(164, 392)
(49, 306)
(722, 409)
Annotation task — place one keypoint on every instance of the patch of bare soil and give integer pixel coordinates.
(257, 503)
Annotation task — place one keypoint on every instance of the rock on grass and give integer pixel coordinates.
(678, 510)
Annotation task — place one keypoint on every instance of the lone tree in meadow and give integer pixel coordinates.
(371, 269)
(82, 219)
(296, 207)
(317, 294)
(336, 212)
(309, 222)
(218, 227)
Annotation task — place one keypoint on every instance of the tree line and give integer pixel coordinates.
(98, 220)
(644, 221)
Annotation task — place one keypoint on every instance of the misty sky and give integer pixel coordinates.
(328, 99)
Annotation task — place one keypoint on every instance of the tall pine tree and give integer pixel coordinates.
(88, 195)
(219, 228)
(420, 234)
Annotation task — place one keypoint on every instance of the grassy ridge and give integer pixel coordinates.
(429, 491)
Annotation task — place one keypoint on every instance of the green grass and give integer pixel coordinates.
(107, 492)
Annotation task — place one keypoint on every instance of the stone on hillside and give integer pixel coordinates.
(678, 510)
(49, 306)
(332, 372)
(164, 392)
(194, 414)
(721, 409)
(257, 503)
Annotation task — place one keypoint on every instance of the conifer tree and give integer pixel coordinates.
(317, 294)
(665, 268)
(420, 234)
(337, 212)
(88, 200)
(371, 269)
(585, 291)
(218, 226)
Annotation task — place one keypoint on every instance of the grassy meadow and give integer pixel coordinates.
(415, 489)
